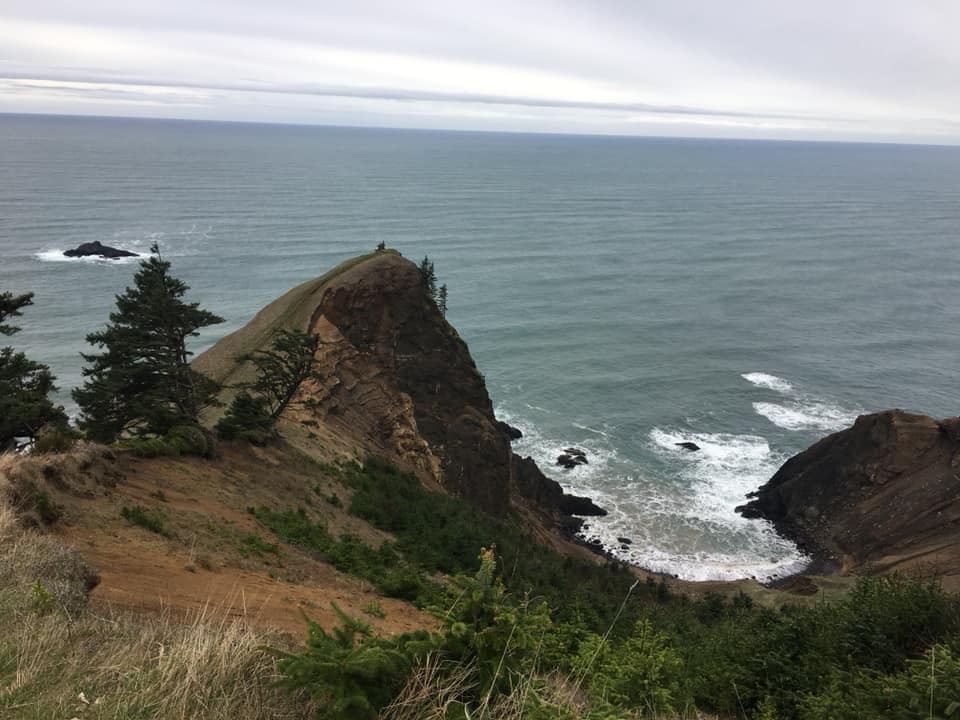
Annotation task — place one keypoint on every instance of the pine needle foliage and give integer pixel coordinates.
(281, 371)
(284, 368)
(142, 383)
(25, 385)
(349, 672)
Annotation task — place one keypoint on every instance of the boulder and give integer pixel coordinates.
(691, 446)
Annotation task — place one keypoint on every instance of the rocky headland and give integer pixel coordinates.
(400, 382)
(881, 496)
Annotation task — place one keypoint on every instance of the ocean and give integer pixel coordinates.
(619, 294)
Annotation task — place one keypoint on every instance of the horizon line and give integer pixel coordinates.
(551, 133)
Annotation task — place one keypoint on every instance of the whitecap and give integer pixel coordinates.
(770, 382)
(806, 415)
(58, 257)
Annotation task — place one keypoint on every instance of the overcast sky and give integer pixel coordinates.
(817, 69)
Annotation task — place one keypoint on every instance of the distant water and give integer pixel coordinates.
(622, 295)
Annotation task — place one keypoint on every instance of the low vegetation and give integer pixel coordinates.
(575, 639)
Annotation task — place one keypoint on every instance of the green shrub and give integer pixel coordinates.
(373, 609)
(248, 418)
(151, 520)
(348, 672)
(60, 440)
(181, 440)
(47, 510)
(642, 671)
(928, 687)
(254, 544)
(383, 566)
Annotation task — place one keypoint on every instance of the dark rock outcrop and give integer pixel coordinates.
(98, 249)
(691, 446)
(881, 495)
(571, 458)
(510, 431)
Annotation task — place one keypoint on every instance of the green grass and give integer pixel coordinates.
(151, 520)
(254, 544)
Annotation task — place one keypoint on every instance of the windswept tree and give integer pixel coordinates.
(142, 383)
(25, 385)
(282, 370)
(280, 373)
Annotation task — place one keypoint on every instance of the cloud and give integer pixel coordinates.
(877, 70)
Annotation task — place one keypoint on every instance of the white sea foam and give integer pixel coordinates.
(671, 520)
(771, 382)
(800, 415)
(58, 257)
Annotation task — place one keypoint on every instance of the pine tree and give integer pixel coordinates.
(442, 298)
(25, 385)
(142, 382)
(281, 370)
(428, 277)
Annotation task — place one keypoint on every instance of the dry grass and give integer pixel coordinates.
(60, 660)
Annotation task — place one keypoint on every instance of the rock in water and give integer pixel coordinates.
(572, 457)
(98, 249)
(691, 446)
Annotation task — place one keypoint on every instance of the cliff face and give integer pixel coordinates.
(399, 381)
(881, 495)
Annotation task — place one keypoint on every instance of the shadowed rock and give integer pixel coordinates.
(97, 249)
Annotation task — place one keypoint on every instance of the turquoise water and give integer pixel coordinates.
(619, 294)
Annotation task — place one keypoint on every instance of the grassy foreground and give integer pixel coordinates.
(518, 634)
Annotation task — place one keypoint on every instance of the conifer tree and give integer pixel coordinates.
(442, 298)
(281, 371)
(25, 385)
(428, 277)
(142, 382)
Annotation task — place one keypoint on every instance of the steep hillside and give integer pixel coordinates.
(883, 495)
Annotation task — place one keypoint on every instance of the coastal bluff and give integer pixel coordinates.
(399, 382)
(881, 496)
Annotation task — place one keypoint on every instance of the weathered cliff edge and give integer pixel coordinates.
(399, 382)
(881, 496)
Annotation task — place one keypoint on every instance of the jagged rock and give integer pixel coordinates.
(98, 249)
(509, 430)
(571, 458)
(881, 495)
(691, 446)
